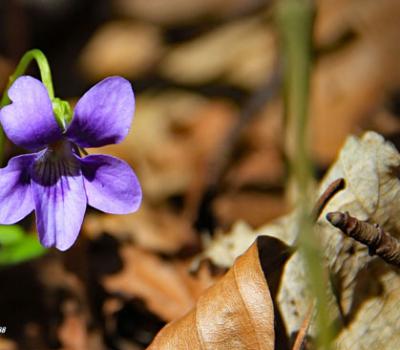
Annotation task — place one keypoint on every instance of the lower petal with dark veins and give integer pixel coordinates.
(60, 199)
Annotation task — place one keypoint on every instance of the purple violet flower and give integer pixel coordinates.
(55, 180)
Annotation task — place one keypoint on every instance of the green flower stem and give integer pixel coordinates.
(23, 64)
(295, 21)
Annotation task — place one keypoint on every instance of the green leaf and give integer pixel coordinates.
(10, 234)
(16, 246)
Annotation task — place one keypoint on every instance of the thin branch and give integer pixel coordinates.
(378, 241)
(301, 335)
(328, 194)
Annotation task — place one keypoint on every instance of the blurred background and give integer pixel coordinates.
(207, 144)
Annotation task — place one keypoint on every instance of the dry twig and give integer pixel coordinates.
(323, 200)
(373, 236)
(301, 336)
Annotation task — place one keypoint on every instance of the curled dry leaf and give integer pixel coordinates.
(363, 297)
(235, 313)
(372, 193)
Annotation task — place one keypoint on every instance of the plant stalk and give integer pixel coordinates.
(295, 21)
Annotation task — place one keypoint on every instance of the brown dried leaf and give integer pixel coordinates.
(224, 248)
(182, 11)
(264, 166)
(261, 160)
(6, 344)
(347, 86)
(243, 52)
(236, 313)
(372, 193)
(370, 19)
(376, 325)
(156, 229)
(365, 288)
(73, 333)
(167, 287)
(121, 48)
(252, 207)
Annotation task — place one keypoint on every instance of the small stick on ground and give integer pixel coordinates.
(373, 236)
(323, 200)
(301, 335)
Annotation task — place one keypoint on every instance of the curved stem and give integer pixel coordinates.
(23, 64)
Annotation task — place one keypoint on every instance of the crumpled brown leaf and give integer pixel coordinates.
(366, 285)
(372, 193)
(235, 313)
(363, 298)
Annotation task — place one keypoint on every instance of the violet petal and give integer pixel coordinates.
(103, 115)
(60, 200)
(111, 185)
(29, 120)
(15, 190)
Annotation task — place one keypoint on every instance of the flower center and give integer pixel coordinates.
(59, 150)
(56, 161)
